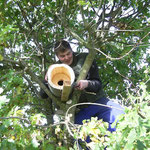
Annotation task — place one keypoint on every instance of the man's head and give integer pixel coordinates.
(64, 52)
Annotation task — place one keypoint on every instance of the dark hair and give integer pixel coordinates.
(61, 46)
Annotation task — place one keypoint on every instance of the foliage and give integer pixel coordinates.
(117, 30)
(133, 128)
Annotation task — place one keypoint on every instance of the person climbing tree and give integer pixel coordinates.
(91, 86)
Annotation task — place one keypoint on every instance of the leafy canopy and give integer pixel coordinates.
(115, 33)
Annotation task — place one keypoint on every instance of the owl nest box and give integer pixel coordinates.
(60, 79)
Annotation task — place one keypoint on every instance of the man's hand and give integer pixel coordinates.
(46, 77)
(82, 84)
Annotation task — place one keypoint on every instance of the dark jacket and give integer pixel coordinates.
(94, 90)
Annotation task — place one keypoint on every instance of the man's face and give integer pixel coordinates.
(66, 57)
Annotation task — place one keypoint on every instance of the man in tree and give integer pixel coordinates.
(91, 87)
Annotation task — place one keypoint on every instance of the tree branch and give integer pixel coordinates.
(24, 119)
(111, 58)
(31, 85)
(27, 69)
(37, 80)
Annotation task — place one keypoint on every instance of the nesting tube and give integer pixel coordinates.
(60, 79)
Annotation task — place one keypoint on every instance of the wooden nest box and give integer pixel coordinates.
(60, 79)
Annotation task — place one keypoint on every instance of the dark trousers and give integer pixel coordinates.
(107, 114)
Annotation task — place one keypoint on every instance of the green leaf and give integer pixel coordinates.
(129, 146)
(111, 1)
(132, 136)
(82, 2)
(31, 147)
(1, 57)
(61, 148)
(19, 89)
(48, 147)
(8, 145)
(140, 145)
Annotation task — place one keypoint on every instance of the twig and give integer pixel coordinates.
(111, 58)
(67, 117)
(117, 71)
